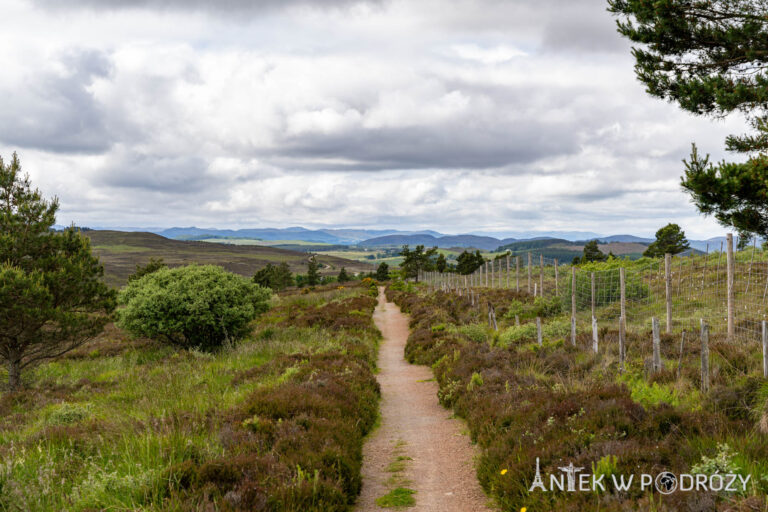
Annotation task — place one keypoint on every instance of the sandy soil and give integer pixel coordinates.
(414, 423)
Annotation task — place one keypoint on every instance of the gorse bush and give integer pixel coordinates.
(192, 307)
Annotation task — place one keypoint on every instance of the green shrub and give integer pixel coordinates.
(514, 308)
(193, 307)
(475, 332)
(556, 329)
(517, 333)
(68, 413)
(547, 307)
(475, 381)
(723, 462)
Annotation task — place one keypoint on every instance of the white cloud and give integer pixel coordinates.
(495, 55)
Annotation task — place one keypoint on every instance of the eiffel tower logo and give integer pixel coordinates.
(538, 483)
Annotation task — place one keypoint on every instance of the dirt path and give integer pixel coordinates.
(415, 426)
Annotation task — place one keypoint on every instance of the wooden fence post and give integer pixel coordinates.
(492, 317)
(538, 331)
(656, 345)
(486, 274)
(623, 318)
(573, 306)
(530, 264)
(541, 275)
(730, 264)
(507, 271)
(493, 280)
(592, 283)
(594, 335)
(573, 331)
(668, 288)
(765, 349)
(704, 357)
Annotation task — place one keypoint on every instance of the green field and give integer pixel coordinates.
(133, 424)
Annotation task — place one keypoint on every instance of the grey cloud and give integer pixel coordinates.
(518, 127)
(219, 6)
(169, 174)
(450, 146)
(56, 112)
(584, 30)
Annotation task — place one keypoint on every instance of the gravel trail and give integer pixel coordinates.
(414, 425)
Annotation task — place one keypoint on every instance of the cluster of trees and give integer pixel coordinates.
(669, 239)
(275, 277)
(416, 260)
(429, 260)
(279, 277)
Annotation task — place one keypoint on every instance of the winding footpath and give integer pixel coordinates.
(415, 426)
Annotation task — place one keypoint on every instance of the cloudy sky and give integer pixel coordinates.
(460, 115)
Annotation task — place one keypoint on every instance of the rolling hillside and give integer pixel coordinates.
(120, 252)
(485, 243)
(565, 251)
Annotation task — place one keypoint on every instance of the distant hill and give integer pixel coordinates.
(296, 233)
(120, 252)
(392, 237)
(325, 236)
(485, 243)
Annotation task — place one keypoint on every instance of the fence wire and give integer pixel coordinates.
(698, 289)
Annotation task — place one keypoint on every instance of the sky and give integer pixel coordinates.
(458, 116)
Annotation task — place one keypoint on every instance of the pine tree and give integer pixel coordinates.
(343, 276)
(313, 272)
(276, 277)
(52, 298)
(417, 260)
(711, 58)
(382, 272)
(669, 239)
(592, 252)
(153, 265)
(468, 262)
(441, 263)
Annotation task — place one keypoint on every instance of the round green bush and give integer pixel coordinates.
(198, 306)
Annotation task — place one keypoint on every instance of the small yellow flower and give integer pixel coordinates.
(503, 471)
(523, 509)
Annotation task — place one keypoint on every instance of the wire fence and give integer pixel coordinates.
(680, 291)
